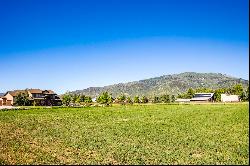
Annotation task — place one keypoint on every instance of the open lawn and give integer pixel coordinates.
(141, 134)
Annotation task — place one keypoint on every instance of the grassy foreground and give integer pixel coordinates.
(150, 134)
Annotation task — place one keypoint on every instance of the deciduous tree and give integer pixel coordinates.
(66, 99)
(22, 99)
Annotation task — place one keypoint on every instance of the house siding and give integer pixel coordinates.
(9, 99)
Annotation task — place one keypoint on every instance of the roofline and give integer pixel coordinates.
(204, 93)
(9, 93)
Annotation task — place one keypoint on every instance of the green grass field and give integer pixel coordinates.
(149, 134)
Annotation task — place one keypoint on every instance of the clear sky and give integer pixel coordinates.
(75, 44)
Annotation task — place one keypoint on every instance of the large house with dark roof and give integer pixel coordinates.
(36, 97)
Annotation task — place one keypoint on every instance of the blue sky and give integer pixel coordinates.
(74, 44)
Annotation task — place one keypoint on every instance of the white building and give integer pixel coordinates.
(229, 98)
(93, 99)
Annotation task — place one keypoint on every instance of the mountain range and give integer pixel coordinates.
(167, 84)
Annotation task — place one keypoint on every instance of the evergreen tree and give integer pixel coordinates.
(82, 98)
(75, 98)
(172, 98)
(105, 98)
(121, 98)
(156, 99)
(190, 93)
(136, 99)
(165, 98)
(88, 99)
(129, 100)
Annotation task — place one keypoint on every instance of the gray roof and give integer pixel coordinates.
(202, 96)
(205, 94)
(2, 94)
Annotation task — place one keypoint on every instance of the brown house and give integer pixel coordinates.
(9, 97)
(44, 97)
(36, 97)
(6, 100)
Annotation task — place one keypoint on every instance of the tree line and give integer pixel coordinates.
(74, 99)
(106, 98)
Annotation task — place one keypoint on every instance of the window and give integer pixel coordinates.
(37, 95)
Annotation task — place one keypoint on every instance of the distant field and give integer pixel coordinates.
(141, 134)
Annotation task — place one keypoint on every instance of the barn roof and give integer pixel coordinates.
(202, 96)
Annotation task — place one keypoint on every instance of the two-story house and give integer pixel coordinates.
(36, 97)
(44, 97)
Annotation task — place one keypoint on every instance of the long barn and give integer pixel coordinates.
(203, 97)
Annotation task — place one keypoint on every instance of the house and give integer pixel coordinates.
(10, 96)
(116, 100)
(44, 97)
(229, 98)
(203, 97)
(36, 97)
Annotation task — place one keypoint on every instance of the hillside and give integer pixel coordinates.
(171, 84)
